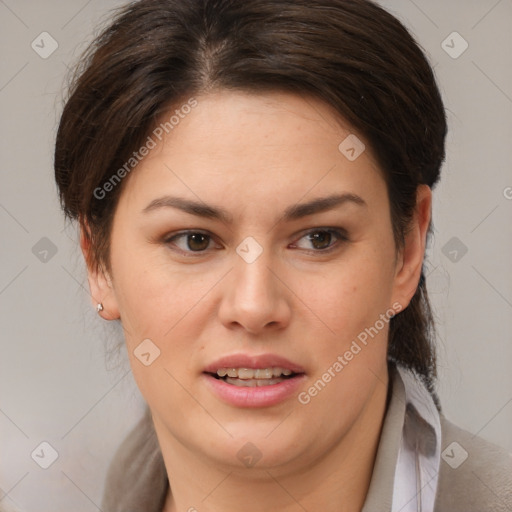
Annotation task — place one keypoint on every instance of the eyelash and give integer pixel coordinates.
(340, 236)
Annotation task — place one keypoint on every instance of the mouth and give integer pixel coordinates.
(242, 380)
(254, 377)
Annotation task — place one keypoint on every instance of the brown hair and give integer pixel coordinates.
(351, 54)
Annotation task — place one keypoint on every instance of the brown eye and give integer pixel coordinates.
(320, 239)
(191, 241)
(198, 242)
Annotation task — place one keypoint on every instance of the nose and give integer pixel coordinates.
(254, 299)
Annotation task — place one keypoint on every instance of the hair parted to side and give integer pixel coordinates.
(350, 54)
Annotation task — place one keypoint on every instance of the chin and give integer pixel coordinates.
(270, 448)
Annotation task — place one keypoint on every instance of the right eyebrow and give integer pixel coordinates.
(189, 206)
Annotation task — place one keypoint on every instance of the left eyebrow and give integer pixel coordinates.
(322, 204)
(293, 212)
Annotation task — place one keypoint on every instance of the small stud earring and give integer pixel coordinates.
(99, 307)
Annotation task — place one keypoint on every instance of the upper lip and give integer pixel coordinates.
(254, 362)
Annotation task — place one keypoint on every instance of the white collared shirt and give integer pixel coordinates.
(419, 456)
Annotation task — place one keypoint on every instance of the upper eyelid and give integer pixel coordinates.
(300, 234)
(330, 229)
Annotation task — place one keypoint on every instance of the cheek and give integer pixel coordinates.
(353, 302)
(158, 306)
(152, 295)
(353, 294)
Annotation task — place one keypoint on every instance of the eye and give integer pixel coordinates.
(321, 240)
(191, 241)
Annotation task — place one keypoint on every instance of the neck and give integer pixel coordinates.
(337, 481)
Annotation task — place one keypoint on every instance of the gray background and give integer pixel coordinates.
(60, 382)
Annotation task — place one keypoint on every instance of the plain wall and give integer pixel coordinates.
(58, 383)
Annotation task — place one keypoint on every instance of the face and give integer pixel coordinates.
(259, 261)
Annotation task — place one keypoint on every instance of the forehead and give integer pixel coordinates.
(248, 145)
(228, 123)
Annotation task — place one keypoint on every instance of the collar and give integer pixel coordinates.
(406, 469)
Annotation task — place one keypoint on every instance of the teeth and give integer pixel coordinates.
(250, 373)
(267, 373)
(244, 373)
(252, 383)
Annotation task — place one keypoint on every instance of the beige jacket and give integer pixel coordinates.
(137, 480)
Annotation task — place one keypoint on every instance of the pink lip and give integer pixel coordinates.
(252, 397)
(254, 362)
(264, 396)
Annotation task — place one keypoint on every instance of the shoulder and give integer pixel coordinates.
(474, 475)
(137, 479)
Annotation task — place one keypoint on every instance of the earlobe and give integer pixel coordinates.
(410, 261)
(100, 282)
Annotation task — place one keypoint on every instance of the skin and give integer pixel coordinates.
(255, 156)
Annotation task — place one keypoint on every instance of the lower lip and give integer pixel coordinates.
(262, 396)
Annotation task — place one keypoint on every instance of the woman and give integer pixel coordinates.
(253, 186)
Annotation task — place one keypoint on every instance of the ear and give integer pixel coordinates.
(410, 258)
(100, 282)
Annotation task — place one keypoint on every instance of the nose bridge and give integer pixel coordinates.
(255, 298)
(251, 271)
(252, 282)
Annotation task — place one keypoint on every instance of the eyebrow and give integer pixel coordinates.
(294, 212)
